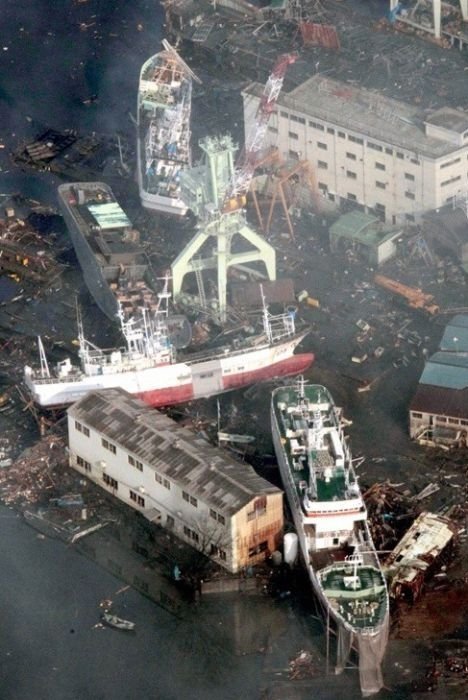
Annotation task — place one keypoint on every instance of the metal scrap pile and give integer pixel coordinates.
(389, 514)
(33, 473)
(303, 666)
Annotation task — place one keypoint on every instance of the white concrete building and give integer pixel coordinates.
(219, 506)
(390, 158)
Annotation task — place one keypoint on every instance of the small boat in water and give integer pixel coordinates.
(118, 622)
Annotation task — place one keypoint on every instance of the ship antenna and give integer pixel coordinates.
(266, 317)
(79, 321)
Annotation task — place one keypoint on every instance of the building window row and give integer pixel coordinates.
(300, 120)
(135, 463)
(379, 166)
(410, 177)
(217, 552)
(190, 499)
(293, 136)
(112, 483)
(380, 185)
(450, 162)
(136, 498)
(285, 115)
(449, 182)
(410, 195)
(83, 463)
(351, 175)
(165, 482)
(452, 421)
(322, 165)
(191, 534)
(217, 516)
(108, 446)
(351, 156)
(374, 146)
(316, 125)
(273, 129)
(323, 146)
(81, 428)
(355, 139)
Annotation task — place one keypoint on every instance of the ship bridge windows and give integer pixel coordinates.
(296, 448)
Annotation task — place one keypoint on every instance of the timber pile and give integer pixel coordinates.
(32, 474)
(390, 513)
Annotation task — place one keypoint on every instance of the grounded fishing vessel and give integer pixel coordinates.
(331, 523)
(148, 368)
(163, 130)
(115, 269)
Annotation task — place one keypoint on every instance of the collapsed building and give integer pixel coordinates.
(439, 409)
(175, 478)
(365, 235)
(447, 231)
(426, 544)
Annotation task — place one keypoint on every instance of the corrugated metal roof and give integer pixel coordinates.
(362, 227)
(440, 401)
(174, 451)
(109, 215)
(455, 338)
(446, 369)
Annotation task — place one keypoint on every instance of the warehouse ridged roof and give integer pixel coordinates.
(455, 338)
(172, 450)
(446, 369)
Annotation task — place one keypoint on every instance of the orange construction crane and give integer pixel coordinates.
(415, 297)
(287, 182)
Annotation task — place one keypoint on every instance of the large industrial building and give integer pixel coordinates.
(174, 478)
(389, 158)
(439, 409)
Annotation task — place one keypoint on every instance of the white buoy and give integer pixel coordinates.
(290, 548)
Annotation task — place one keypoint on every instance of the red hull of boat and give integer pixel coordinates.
(179, 394)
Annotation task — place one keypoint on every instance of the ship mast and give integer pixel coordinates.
(43, 359)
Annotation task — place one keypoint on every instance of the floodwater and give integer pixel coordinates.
(51, 648)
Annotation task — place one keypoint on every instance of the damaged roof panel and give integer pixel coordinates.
(171, 449)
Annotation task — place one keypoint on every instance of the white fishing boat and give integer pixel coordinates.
(330, 519)
(147, 365)
(163, 130)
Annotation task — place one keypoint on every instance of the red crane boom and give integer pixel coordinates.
(245, 166)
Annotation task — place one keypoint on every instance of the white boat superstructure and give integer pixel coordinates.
(163, 128)
(330, 519)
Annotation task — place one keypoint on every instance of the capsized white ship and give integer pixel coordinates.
(147, 365)
(330, 519)
(163, 130)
